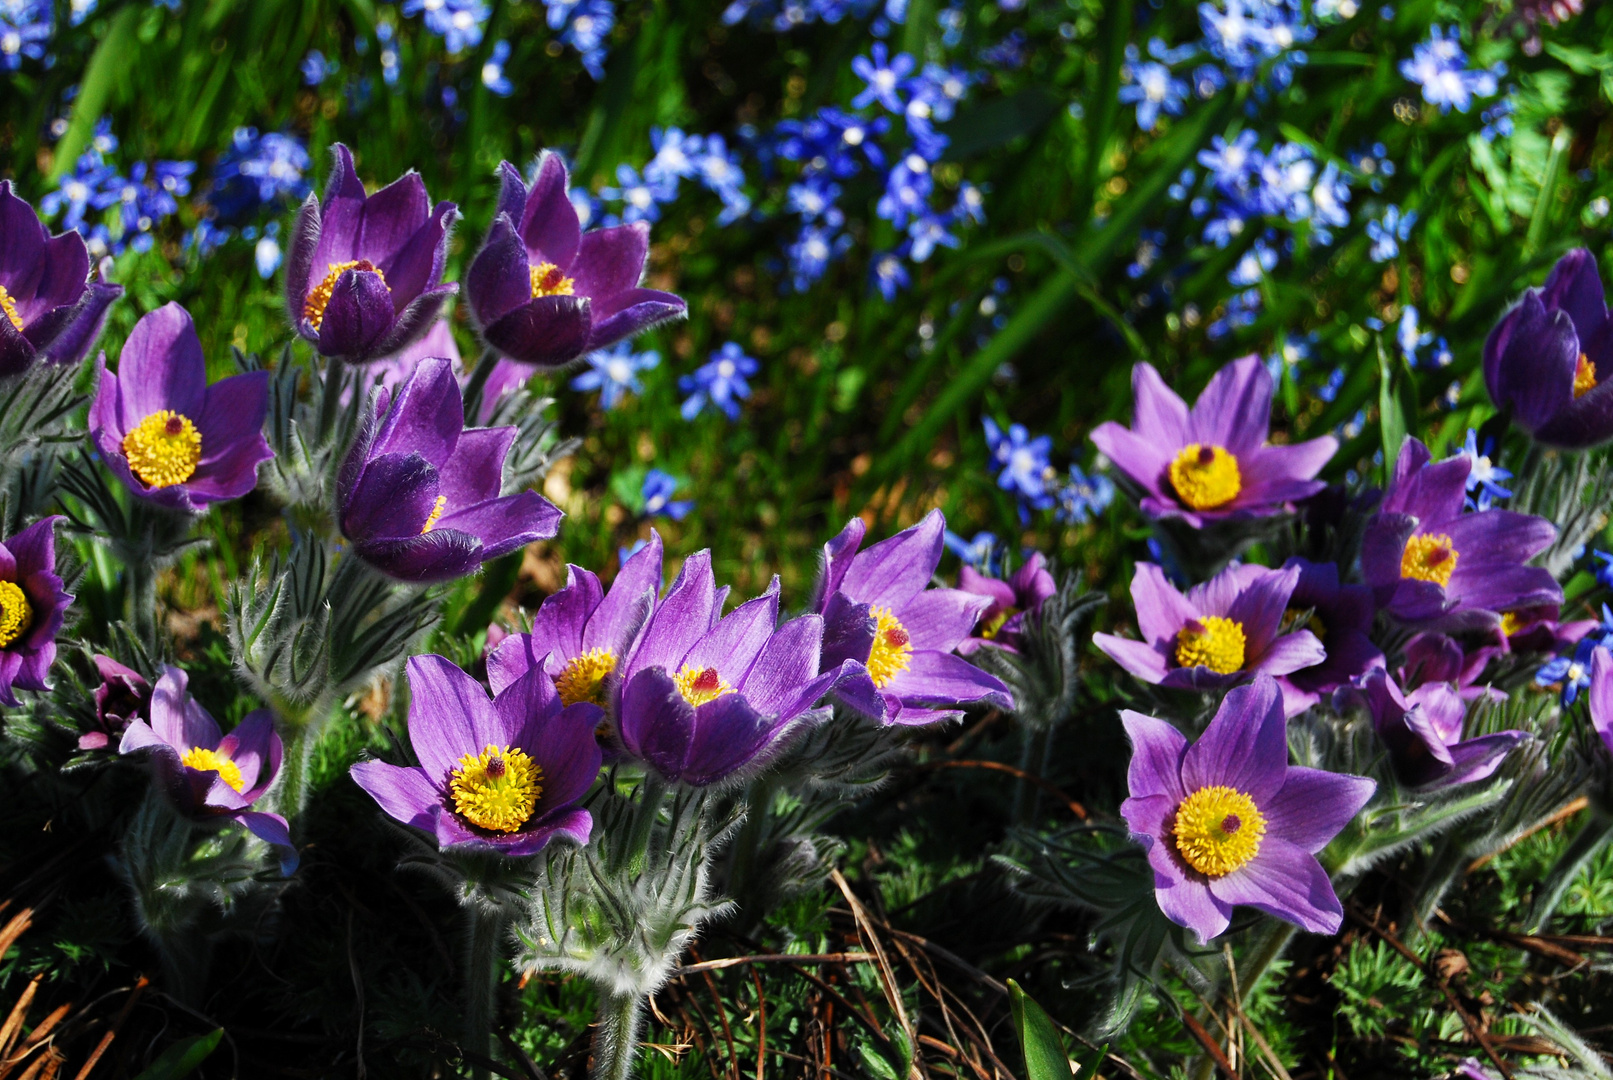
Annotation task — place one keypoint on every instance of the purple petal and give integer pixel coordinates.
(391, 217)
(405, 794)
(1576, 287)
(896, 569)
(524, 709)
(1288, 654)
(418, 264)
(426, 417)
(1234, 411)
(504, 525)
(837, 555)
(1601, 695)
(940, 679)
(358, 316)
(500, 277)
(732, 646)
(548, 223)
(474, 472)
(300, 253)
(440, 555)
(611, 260)
(1286, 881)
(1245, 747)
(394, 498)
(1161, 416)
(681, 620)
(546, 332)
(787, 664)
(1156, 757)
(161, 367)
(1140, 457)
(939, 619)
(1162, 611)
(1313, 806)
(656, 723)
(627, 605)
(178, 719)
(1147, 662)
(564, 746)
(629, 313)
(450, 715)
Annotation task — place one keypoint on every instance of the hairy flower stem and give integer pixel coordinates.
(616, 1035)
(1591, 838)
(1034, 744)
(652, 792)
(1267, 948)
(142, 598)
(484, 937)
(745, 865)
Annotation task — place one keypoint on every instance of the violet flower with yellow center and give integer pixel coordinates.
(1422, 730)
(1213, 461)
(170, 437)
(32, 608)
(1227, 821)
(1340, 615)
(1012, 601)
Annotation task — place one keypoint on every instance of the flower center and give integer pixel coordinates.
(212, 761)
(496, 789)
(992, 626)
(1429, 557)
(15, 614)
(435, 515)
(163, 449)
(1213, 642)
(1584, 372)
(1206, 476)
(9, 306)
(1510, 623)
(314, 309)
(547, 280)
(1312, 622)
(583, 677)
(700, 685)
(892, 652)
(1218, 830)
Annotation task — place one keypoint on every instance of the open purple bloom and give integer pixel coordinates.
(123, 696)
(206, 773)
(1550, 357)
(1228, 821)
(50, 309)
(32, 607)
(1341, 618)
(878, 610)
(1422, 731)
(501, 775)
(1428, 562)
(1601, 695)
(364, 272)
(1217, 634)
(419, 494)
(544, 292)
(1012, 601)
(705, 695)
(170, 437)
(1212, 462)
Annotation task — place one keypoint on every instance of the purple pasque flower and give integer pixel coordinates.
(1217, 634)
(1341, 618)
(543, 291)
(391, 371)
(1538, 629)
(419, 493)
(879, 611)
(1227, 821)
(1212, 462)
(1428, 562)
(704, 696)
(1438, 658)
(32, 608)
(206, 773)
(169, 436)
(123, 696)
(501, 774)
(1422, 731)
(364, 272)
(1549, 358)
(50, 307)
(1600, 697)
(1012, 602)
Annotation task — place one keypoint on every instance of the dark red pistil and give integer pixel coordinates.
(366, 266)
(495, 768)
(552, 278)
(1206, 454)
(1231, 824)
(896, 637)
(174, 425)
(707, 680)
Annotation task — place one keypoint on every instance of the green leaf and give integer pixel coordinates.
(998, 122)
(875, 1062)
(1038, 1038)
(1397, 406)
(112, 58)
(181, 1059)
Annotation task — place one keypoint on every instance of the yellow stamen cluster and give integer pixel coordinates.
(435, 515)
(700, 685)
(163, 449)
(583, 677)
(313, 309)
(547, 280)
(1429, 557)
(1584, 375)
(496, 789)
(1511, 623)
(9, 306)
(1311, 621)
(15, 613)
(1206, 477)
(212, 761)
(1214, 642)
(990, 628)
(1218, 830)
(892, 653)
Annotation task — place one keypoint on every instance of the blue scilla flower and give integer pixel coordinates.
(1083, 497)
(1021, 462)
(1009, 53)
(493, 76)
(929, 231)
(1439, 66)
(458, 22)
(813, 197)
(943, 89)
(1230, 163)
(1372, 164)
(1255, 264)
(658, 490)
(1409, 337)
(811, 253)
(1572, 672)
(614, 372)
(721, 382)
(313, 68)
(589, 26)
(718, 167)
(80, 191)
(1152, 88)
(641, 200)
(983, 551)
(888, 274)
(256, 173)
(25, 29)
(907, 191)
(971, 204)
(587, 207)
(1329, 197)
(1484, 475)
(1284, 179)
(883, 75)
(677, 156)
(1388, 231)
(266, 254)
(1604, 572)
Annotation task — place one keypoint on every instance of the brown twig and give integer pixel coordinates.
(1211, 1047)
(106, 1040)
(887, 977)
(1019, 774)
(776, 958)
(1567, 811)
(761, 1023)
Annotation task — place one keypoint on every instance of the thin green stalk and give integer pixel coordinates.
(616, 1036)
(651, 793)
(483, 939)
(744, 879)
(1587, 843)
(142, 598)
(1032, 752)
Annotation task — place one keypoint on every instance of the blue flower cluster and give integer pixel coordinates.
(1023, 467)
(614, 372)
(143, 199)
(1439, 66)
(705, 159)
(720, 382)
(257, 175)
(786, 15)
(25, 28)
(584, 25)
(458, 22)
(657, 492)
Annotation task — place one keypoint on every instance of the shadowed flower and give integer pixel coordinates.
(1212, 462)
(32, 607)
(1012, 601)
(1601, 696)
(123, 696)
(1550, 357)
(364, 272)
(1218, 634)
(1428, 562)
(544, 292)
(1341, 618)
(879, 611)
(1538, 629)
(169, 436)
(206, 773)
(50, 308)
(1437, 658)
(1422, 731)
(419, 494)
(1228, 821)
(501, 775)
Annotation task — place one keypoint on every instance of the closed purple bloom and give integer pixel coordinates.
(32, 607)
(878, 610)
(419, 494)
(1012, 602)
(170, 437)
(1601, 695)
(544, 292)
(123, 696)
(364, 272)
(501, 775)
(50, 309)
(1538, 629)
(1428, 562)
(1213, 462)
(1437, 658)
(1227, 821)
(1341, 618)
(1217, 634)
(206, 773)
(1422, 731)
(1549, 358)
